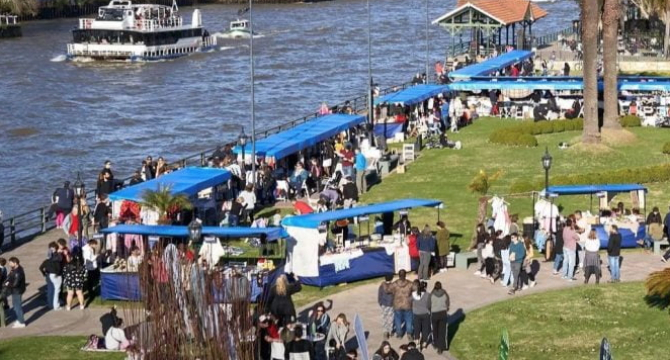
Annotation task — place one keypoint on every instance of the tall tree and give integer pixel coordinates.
(18, 7)
(590, 17)
(610, 21)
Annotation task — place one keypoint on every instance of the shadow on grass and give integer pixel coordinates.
(455, 321)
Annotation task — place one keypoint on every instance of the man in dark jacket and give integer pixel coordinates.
(349, 193)
(299, 348)
(385, 301)
(16, 286)
(613, 253)
(666, 224)
(426, 248)
(63, 199)
(402, 304)
(52, 271)
(101, 213)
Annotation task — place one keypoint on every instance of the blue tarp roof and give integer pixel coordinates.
(592, 189)
(556, 83)
(188, 181)
(490, 66)
(314, 220)
(413, 95)
(303, 136)
(182, 231)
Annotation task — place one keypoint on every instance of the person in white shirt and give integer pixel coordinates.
(135, 259)
(592, 257)
(583, 229)
(115, 339)
(249, 202)
(489, 260)
(90, 254)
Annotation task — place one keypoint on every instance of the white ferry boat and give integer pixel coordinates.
(142, 32)
(239, 29)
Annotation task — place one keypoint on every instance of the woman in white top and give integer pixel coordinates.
(249, 202)
(489, 260)
(592, 257)
(115, 339)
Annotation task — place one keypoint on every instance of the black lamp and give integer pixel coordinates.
(195, 230)
(546, 164)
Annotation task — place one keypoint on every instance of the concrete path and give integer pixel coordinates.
(467, 292)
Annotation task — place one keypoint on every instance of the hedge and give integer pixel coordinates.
(666, 148)
(650, 174)
(517, 135)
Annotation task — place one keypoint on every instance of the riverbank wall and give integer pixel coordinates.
(55, 10)
(10, 31)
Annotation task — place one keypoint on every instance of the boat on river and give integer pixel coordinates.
(239, 29)
(139, 32)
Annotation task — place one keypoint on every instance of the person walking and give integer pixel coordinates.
(90, 254)
(558, 250)
(63, 198)
(613, 253)
(402, 305)
(281, 302)
(385, 302)
(592, 258)
(654, 229)
(439, 307)
(74, 275)
(570, 239)
(517, 253)
(480, 242)
(426, 248)
(506, 264)
(361, 165)
(15, 287)
(443, 245)
(52, 270)
(421, 313)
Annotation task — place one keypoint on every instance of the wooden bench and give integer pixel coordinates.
(463, 259)
(657, 245)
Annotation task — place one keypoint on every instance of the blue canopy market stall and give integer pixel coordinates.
(118, 284)
(307, 134)
(491, 66)
(410, 96)
(357, 261)
(630, 231)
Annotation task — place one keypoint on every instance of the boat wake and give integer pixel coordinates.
(227, 35)
(59, 58)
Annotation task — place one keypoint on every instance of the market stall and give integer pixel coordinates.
(630, 229)
(120, 281)
(320, 261)
(491, 66)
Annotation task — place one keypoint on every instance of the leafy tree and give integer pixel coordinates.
(165, 203)
(18, 7)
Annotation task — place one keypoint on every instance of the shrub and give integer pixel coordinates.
(521, 134)
(630, 121)
(666, 148)
(650, 174)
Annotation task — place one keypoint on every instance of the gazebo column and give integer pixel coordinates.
(514, 36)
(530, 32)
(506, 34)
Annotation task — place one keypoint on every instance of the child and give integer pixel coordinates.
(135, 259)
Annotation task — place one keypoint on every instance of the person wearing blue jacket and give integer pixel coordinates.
(360, 164)
(426, 248)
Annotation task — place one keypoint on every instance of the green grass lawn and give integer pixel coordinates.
(51, 348)
(567, 324)
(444, 173)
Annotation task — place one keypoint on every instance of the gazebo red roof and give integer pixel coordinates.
(507, 11)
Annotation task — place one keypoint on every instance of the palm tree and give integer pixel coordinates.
(590, 17)
(658, 289)
(165, 203)
(18, 7)
(611, 14)
(480, 185)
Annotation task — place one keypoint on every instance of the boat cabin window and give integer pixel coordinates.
(107, 14)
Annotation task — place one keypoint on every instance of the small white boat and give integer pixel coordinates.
(239, 29)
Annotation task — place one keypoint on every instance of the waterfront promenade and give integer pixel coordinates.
(466, 291)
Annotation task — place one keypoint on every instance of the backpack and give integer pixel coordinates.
(92, 343)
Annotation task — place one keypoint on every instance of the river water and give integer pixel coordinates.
(57, 117)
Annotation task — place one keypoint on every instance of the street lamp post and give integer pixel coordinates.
(546, 164)
(253, 100)
(79, 191)
(242, 141)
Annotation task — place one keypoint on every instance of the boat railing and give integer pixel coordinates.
(155, 24)
(26, 226)
(8, 19)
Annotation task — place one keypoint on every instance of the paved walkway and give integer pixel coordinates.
(467, 292)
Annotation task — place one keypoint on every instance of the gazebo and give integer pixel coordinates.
(488, 18)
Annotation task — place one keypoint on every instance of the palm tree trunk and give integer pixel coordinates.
(666, 39)
(590, 16)
(611, 11)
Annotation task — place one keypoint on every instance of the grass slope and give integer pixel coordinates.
(444, 173)
(51, 348)
(567, 324)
